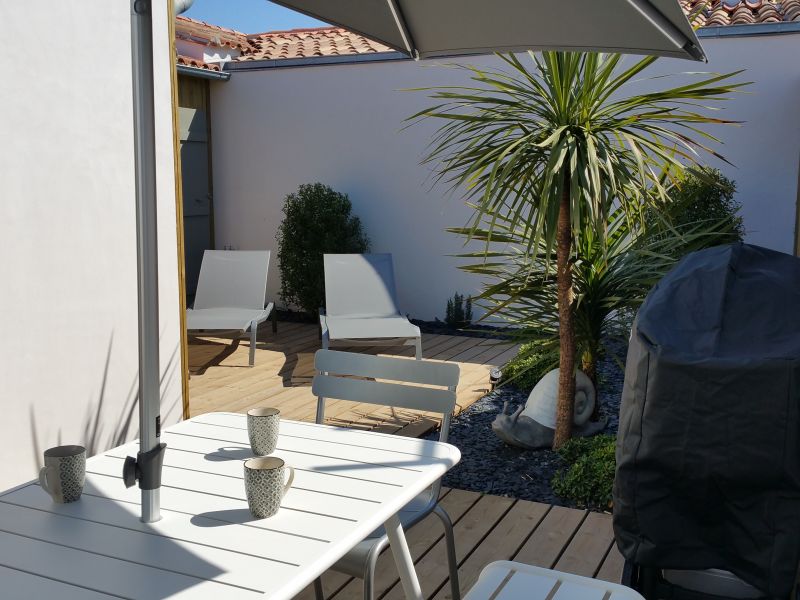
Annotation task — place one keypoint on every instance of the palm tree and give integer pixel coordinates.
(557, 148)
(611, 274)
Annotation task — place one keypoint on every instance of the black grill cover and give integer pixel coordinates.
(708, 454)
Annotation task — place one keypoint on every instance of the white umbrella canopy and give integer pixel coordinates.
(438, 28)
(420, 28)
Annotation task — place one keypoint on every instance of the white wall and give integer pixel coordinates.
(68, 302)
(274, 129)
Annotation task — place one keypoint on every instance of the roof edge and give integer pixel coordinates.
(310, 61)
(201, 73)
(748, 29)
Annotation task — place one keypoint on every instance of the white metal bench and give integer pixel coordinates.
(505, 580)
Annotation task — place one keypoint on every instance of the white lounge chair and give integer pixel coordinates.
(231, 294)
(505, 580)
(350, 376)
(361, 303)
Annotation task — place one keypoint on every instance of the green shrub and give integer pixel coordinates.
(589, 476)
(704, 196)
(459, 311)
(317, 221)
(533, 361)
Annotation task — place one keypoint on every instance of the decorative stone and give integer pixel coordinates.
(541, 404)
(533, 425)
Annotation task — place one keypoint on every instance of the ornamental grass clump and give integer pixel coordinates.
(458, 313)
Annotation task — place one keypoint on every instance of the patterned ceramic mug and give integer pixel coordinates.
(264, 484)
(63, 473)
(262, 429)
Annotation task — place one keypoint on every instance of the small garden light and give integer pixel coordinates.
(494, 376)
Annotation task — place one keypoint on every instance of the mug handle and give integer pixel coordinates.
(291, 479)
(43, 480)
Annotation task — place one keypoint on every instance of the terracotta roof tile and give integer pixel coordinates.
(336, 41)
(304, 43)
(741, 12)
(197, 64)
(211, 35)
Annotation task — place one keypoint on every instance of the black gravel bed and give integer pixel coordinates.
(490, 466)
(471, 330)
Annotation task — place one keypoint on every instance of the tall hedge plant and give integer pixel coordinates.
(317, 221)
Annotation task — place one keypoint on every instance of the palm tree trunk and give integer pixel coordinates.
(566, 328)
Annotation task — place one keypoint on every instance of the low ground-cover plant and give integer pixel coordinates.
(458, 313)
(588, 476)
(318, 221)
(533, 361)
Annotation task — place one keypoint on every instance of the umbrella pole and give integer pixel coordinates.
(146, 468)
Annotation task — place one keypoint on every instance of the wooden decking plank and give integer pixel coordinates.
(501, 359)
(546, 544)
(611, 569)
(464, 344)
(437, 351)
(502, 543)
(469, 532)
(432, 343)
(493, 352)
(469, 354)
(277, 363)
(585, 552)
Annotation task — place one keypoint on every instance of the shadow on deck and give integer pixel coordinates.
(220, 379)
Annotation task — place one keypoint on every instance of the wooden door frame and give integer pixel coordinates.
(176, 150)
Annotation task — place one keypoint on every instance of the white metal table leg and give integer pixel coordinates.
(402, 558)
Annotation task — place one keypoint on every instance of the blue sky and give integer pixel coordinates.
(249, 16)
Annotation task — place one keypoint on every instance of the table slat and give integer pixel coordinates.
(181, 526)
(110, 575)
(169, 554)
(24, 586)
(222, 508)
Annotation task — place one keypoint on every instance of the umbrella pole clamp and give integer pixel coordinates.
(144, 468)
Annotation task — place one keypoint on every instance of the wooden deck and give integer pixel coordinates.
(220, 379)
(487, 528)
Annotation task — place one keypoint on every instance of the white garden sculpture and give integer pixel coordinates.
(533, 425)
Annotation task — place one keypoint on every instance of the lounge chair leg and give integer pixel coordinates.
(450, 542)
(318, 592)
(418, 344)
(253, 336)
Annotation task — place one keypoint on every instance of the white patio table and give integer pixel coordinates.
(207, 545)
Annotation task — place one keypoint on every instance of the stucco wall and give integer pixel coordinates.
(68, 356)
(274, 129)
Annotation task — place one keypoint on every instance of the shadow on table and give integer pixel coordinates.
(229, 453)
(221, 518)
